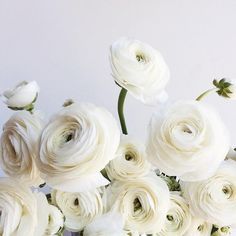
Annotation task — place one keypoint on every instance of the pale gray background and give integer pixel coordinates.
(64, 45)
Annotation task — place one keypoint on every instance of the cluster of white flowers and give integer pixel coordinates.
(181, 181)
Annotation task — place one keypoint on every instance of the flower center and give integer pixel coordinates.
(76, 202)
(128, 157)
(137, 204)
(68, 137)
(170, 217)
(140, 58)
(225, 229)
(200, 228)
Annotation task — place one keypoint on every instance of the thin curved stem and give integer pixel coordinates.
(121, 101)
(206, 93)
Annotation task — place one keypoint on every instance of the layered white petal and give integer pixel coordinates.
(140, 69)
(214, 199)
(130, 161)
(199, 227)
(79, 209)
(143, 203)
(188, 140)
(76, 145)
(19, 147)
(178, 218)
(18, 209)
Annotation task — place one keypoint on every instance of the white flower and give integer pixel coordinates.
(222, 231)
(140, 69)
(109, 224)
(130, 161)
(178, 218)
(55, 221)
(76, 145)
(19, 146)
(79, 209)
(143, 203)
(188, 140)
(214, 199)
(199, 227)
(19, 210)
(23, 95)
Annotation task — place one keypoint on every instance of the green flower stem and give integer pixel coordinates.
(121, 101)
(206, 93)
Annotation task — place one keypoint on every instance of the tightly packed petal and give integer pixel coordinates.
(187, 140)
(214, 199)
(130, 161)
(143, 203)
(199, 227)
(140, 69)
(76, 145)
(19, 209)
(178, 218)
(19, 146)
(79, 209)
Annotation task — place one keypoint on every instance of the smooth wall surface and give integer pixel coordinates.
(64, 46)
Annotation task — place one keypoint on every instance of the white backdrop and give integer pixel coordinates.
(64, 44)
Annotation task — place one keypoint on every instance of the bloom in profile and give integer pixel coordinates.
(214, 199)
(188, 140)
(19, 147)
(142, 202)
(140, 69)
(76, 145)
(22, 96)
(79, 209)
(130, 161)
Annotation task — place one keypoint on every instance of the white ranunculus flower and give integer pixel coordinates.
(130, 161)
(109, 224)
(140, 69)
(19, 146)
(178, 218)
(79, 209)
(55, 221)
(143, 203)
(199, 227)
(23, 95)
(187, 140)
(76, 145)
(214, 199)
(19, 209)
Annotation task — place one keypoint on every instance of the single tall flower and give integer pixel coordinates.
(140, 69)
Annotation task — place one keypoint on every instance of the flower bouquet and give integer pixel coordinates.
(181, 182)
